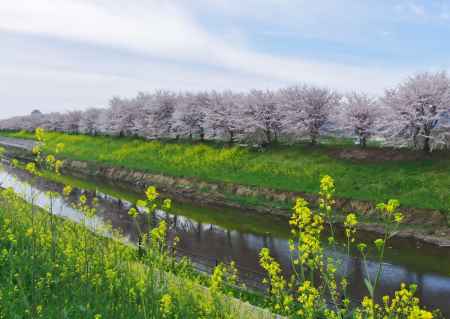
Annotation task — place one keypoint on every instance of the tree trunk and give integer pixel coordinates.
(426, 145)
(231, 140)
(268, 137)
(416, 133)
(202, 134)
(313, 139)
(363, 142)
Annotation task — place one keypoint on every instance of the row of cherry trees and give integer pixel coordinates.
(415, 113)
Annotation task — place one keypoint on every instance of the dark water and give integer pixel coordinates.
(212, 234)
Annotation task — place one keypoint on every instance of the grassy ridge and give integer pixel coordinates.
(421, 183)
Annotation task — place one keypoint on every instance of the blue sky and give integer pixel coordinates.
(59, 55)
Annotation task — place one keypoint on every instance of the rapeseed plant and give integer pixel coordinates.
(314, 291)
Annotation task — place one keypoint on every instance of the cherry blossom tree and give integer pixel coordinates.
(263, 114)
(121, 118)
(90, 121)
(225, 117)
(156, 119)
(143, 103)
(71, 121)
(191, 113)
(360, 116)
(292, 101)
(27, 123)
(54, 122)
(16, 123)
(317, 106)
(311, 108)
(418, 107)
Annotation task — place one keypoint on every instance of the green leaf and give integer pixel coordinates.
(369, 286)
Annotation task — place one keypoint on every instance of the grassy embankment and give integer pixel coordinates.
(420, 183)
(54, 268)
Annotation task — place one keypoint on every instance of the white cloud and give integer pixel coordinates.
(418, 10)
(168, 31)
(68, 86)
(429, 11)
(156, 27)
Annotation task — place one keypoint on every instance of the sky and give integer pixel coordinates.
(60, 55)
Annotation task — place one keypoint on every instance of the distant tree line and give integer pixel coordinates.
(415, 113)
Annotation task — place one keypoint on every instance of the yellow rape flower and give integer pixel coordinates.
(350, 226)
(165, 305)
(39, 134)
(50, 159)
(29, 232)
(362, 247)
(58, 165)
(83, 199)
(379, 243)
(141, 203)
(36, 150)
(151, 193)
(15, 163)
(67, 190)
(167, 204)
(398, 218)
(133, 212)
(31, 168)
(350, 220)
(59, 148)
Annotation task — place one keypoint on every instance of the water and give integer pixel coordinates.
(212, 234)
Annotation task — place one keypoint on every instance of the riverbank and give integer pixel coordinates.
(425, 224)
(53, 267)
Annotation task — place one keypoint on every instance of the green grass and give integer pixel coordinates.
(423, 183)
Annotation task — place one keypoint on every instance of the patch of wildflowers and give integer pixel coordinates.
(350, 226)
(59, 148)
(151, 193)
(39, 134)
(67, 190)
(133, 212)
(167, 204)
(31, 168)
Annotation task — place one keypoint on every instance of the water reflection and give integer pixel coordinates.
(207, 243)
